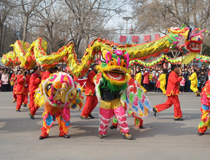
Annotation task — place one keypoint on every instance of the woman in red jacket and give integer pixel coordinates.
(146, 80)
(33, 85)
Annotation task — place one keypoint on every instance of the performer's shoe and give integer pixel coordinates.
(113, 127)
(101, 136)
(91, 117)
(64, 136)
(178, 119)
(200, 134)
(17, 110)
(127, 135)
(155, 111)
(86, 118)
(14, 101)
(25, 105)
(31, 116)
(43, 136)
(141, 127)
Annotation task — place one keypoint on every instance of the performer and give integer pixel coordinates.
(57, 94)
(205, 109)
(33, 85)
(21, 81)
(46, 74)
(194, 82)
(162, 80)
(138, 79)
(172, 93)
(26, 87)
(91, 99)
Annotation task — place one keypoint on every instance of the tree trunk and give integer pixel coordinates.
(25, 28)
(1, 39)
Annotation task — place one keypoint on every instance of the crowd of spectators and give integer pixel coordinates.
(150, 76)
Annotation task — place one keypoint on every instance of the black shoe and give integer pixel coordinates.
(155, 111)
(90, 115)
(178, 119)
(41, 137)
(32, 117)
(200, 134)
(65, 136)
(112, 127)
(101, 136)
(198, 95)
(17, 110)
(141, 127)
(25, 105)
(86, 118)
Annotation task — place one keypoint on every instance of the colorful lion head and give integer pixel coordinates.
(114, 66)
(59, 90)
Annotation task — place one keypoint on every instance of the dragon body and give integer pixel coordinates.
(28, 55)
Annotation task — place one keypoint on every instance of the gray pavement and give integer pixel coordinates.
(161, 139)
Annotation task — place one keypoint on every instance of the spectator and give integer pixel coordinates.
(5, 81)
(146, 80)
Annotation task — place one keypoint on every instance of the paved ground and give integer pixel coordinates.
(162, 138)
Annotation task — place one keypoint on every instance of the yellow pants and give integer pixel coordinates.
(162, 87)
(194, 88)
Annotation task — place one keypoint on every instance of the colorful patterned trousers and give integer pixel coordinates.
(205, 119)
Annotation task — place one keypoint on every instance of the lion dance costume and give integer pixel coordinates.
(57, 93)
(112, 87)
(205, 110)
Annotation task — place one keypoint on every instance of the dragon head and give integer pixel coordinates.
(114, 66)
(188, 39)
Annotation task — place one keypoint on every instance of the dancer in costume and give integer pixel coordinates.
(172, 93)
(205, 109)
(162, 80)
(33, 85)
(138, 79)
(21, 89)
(57, 93)
(26, 88)
(194, 82)
(91, 99)
(111, 84)
(46, 74)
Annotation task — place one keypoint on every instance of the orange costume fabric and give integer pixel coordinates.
(45, 75)
(20, 90)
(91, 99)
(172, 93)
(33, 85)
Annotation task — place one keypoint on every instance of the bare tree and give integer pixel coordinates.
(88, 18)
(5, 8)
(28, 6)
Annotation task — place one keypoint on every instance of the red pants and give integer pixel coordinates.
(25, 99)
(33, 107)
(20, 100)
(90, 104)
(14, 95)
(171, 100)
